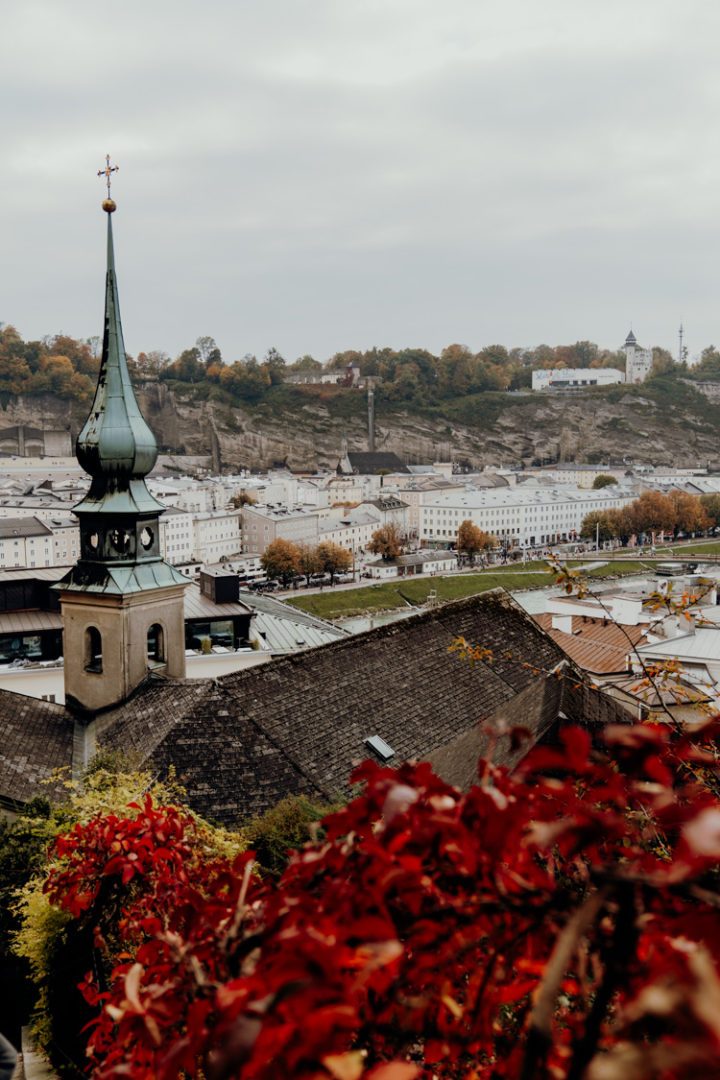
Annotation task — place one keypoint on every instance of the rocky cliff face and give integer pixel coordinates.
(679, 428)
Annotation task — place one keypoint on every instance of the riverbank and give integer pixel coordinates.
(414, 591)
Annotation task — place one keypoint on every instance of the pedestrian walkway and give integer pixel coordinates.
(31, 1065)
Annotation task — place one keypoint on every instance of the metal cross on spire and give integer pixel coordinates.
(108, 171)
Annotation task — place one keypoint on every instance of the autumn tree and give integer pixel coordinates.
(281, 560)
(603, 480)
(711, 506)
(690, 514)
(471, 540)
(621, 523)
(334, 559)
(386, 542)
(310, 561)
(555, 920)
(305, 365)
(208, 351)
(598, 525)
(653, 513)
(243, 498)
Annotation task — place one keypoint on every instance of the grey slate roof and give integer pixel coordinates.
(241, 742)
(36, 739)
(368, 463)
(297, 725)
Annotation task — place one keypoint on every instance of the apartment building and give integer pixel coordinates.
(261, 525)
(218, 534)
(177, 536)
(518, 516)
(25, 541)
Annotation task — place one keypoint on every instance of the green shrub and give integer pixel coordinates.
(288, 825)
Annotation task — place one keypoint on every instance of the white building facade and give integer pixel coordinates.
(575, 378)
(517, 516)
(638, 362)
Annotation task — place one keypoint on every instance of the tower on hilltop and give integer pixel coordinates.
(638, 362)
(122, 604)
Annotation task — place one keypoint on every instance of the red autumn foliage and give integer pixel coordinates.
(562, 921)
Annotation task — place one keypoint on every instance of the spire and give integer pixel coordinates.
(119, 518)
(116, 447)
(631, 339)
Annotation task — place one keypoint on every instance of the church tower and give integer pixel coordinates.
(122, 604)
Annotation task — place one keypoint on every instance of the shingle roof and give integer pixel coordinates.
(36, 739)
(241, 742)
(296, 725)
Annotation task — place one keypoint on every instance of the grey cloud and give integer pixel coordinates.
(317, 175)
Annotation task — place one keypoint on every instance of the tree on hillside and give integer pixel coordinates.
(305, 365)
(188, 367)
(208, 351)
(471, 540)
(275, 367)
(709, 365)
(245, 379)
(334, 559)
(281, 560)
(603, 480)
(310, 562)
(386, 542)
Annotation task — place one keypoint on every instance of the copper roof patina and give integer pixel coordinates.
(116, 446)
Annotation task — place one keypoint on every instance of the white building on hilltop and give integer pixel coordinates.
(574, 378)
(638, 362)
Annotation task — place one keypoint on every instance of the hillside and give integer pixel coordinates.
(667, 421)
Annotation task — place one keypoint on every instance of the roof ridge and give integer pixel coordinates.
(276, 743)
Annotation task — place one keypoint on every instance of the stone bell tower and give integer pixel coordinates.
(122, 604)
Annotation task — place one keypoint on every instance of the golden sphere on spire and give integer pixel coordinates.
(109, 206)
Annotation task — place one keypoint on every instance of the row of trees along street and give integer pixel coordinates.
(285, 561)
(653, 513)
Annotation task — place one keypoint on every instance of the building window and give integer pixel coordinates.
(156, 644)
(93, 650)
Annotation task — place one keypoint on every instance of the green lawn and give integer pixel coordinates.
(336, 604)
(695, 547)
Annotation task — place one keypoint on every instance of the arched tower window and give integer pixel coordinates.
(156, 644)
(93, 650)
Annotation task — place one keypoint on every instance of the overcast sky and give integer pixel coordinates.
(318, 175)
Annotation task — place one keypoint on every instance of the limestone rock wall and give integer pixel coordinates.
(504, 429)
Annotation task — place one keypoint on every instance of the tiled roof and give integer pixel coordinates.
(593, 645)
(36, 739)
(241, 742)
(297, 725)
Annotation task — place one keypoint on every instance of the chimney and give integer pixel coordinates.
(563, 623)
